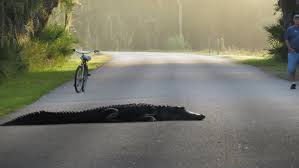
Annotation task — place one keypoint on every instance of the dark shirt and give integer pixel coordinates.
(292, 35)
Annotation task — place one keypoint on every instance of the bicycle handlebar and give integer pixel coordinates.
(85, 52)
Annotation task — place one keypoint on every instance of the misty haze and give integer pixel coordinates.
(154, 24)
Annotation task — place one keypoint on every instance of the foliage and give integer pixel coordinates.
(277, 47)
(69, 5)
(52, 46)
(10, 61)
(21, 21)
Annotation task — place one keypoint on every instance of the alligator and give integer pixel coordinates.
(109, 114)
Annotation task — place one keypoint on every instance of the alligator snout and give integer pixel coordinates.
(194, 116)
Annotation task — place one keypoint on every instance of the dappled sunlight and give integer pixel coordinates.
(144, 58)
(72, 63)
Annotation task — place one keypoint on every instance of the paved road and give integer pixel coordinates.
(252, 118)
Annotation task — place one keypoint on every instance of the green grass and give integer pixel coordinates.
(28, 87)
(269, 65)
(258, 59)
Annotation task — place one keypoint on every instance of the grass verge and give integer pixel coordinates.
(259, 59)
(28, 87)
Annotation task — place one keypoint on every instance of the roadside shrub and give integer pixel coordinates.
(51, 47)
(277, 47)
(51, 33)
(10, 61)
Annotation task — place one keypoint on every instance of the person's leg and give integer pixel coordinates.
(292, 63)
(293, 77)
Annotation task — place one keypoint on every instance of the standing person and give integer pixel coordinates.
(292, 42)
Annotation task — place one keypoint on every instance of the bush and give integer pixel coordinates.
(51, 33)
(50, 47)
(10, 61)
(277, 46)
(177, 43)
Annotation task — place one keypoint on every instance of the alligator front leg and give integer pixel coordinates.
(147, 118)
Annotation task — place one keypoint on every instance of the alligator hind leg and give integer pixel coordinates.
(114, 113)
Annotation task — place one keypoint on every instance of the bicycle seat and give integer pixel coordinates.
(86, 58)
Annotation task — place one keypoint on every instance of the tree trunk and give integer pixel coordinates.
(2, 17)
(67, 21)
(180, 19)
(289, 7)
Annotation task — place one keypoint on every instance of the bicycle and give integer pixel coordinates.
(81, 74)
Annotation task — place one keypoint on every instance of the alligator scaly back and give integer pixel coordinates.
(107, 114)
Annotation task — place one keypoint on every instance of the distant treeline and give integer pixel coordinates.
(151, 24)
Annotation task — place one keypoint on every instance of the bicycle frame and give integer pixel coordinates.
(84, 67)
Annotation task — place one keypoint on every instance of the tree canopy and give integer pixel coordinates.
(288, 8)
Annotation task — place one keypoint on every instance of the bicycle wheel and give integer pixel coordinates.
(85, 77)
(79, 78)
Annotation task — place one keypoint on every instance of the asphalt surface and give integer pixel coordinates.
(252, 118)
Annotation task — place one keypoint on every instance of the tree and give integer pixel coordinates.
(288, 8)
(277, 46)
(180, 19)
(68, 6)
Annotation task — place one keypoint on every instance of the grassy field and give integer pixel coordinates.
(258, 59)
(30, 86)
